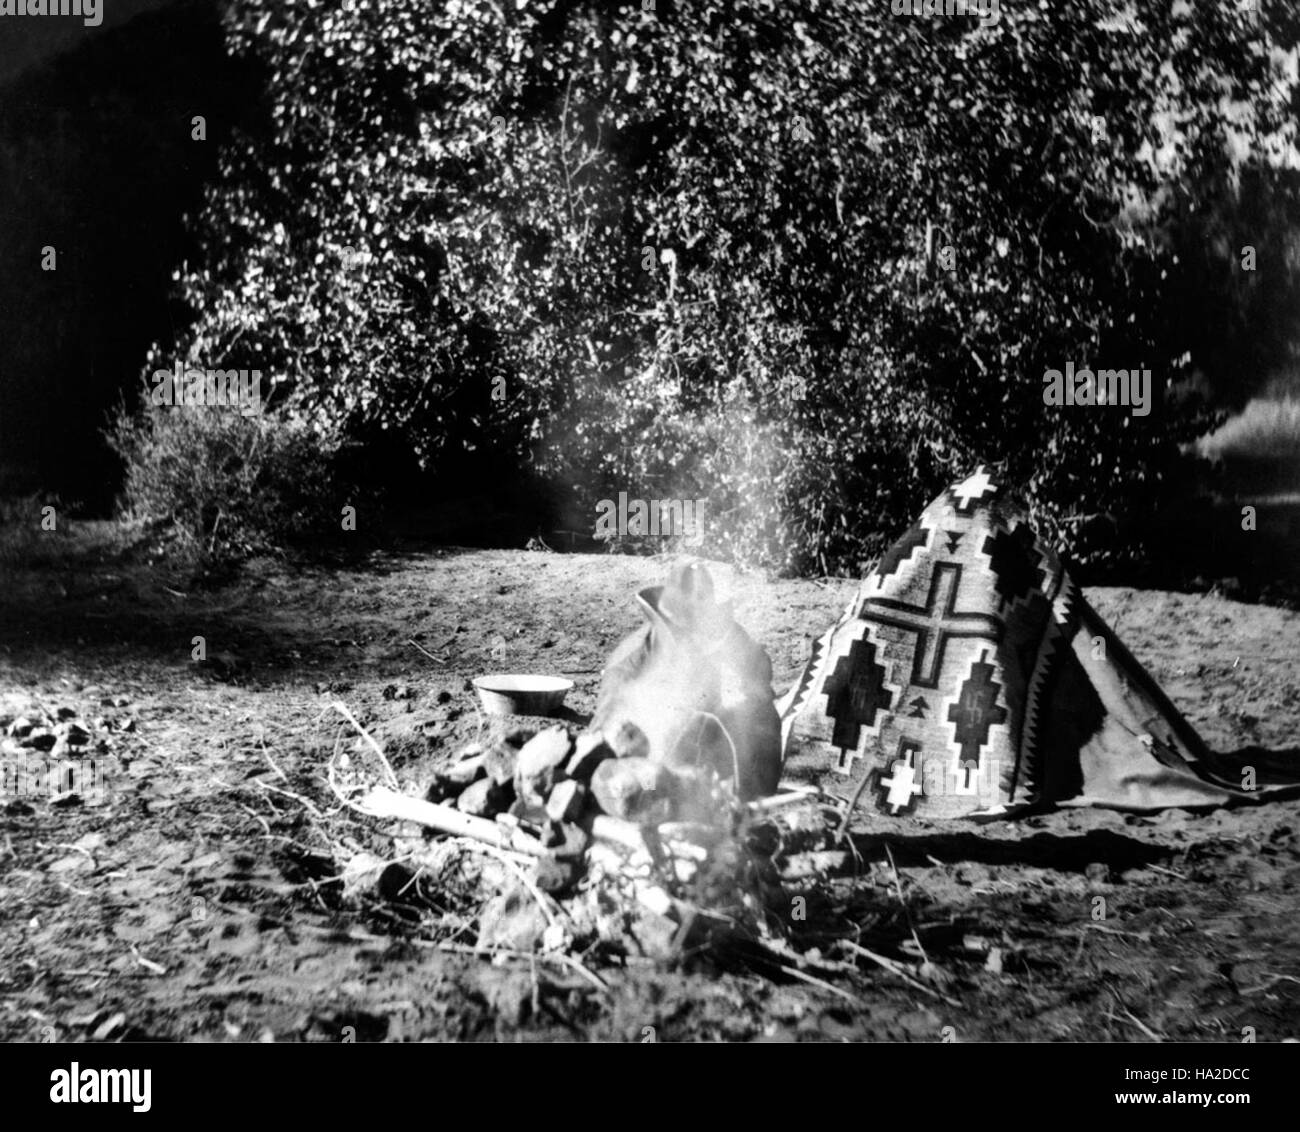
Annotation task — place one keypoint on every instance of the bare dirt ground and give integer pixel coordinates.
(189, 906)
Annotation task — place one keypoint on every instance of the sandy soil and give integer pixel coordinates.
(190, 906)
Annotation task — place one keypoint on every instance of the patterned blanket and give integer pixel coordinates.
(969, 677)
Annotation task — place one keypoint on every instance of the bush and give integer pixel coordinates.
(217, 486)
(806, 262)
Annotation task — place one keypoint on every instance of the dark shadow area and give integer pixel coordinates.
(98, 162)
(574, 718)
(1280, 766)
(285, 622)
(1278, 770)
(478, 500)
(1041, 851)
(37, 635)
(1202, 540)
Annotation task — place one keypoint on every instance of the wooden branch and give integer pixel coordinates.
(381, 802)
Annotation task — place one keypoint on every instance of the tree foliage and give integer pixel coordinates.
(804, 259)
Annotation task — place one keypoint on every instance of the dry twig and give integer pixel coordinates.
(896, 969)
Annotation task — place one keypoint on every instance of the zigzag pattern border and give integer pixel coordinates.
(792, 703)
(1060, 630)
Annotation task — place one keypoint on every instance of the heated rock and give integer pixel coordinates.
(500, 763)
(529, 811)
(564, 839)
(557, 875)
(541, 763)
(485, 799)
(628, 741)
(450, 782)
(589, 751)
(635, 789)
(566, 801)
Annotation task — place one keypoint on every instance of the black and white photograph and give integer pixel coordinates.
(651, 521)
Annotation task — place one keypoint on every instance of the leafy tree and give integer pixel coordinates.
(804, 260)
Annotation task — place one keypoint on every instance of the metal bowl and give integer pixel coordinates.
(521, 693)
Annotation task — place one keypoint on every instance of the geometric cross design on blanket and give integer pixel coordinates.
(1013, 562)
(1020, 716)
(855, 691)
(935, 623)
(899, 792)
(976, 710)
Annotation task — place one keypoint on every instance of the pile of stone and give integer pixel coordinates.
(59, 756)
(566, 842)
(568, 791)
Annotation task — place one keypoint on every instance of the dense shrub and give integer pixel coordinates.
(805, 260)
(217, 486)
